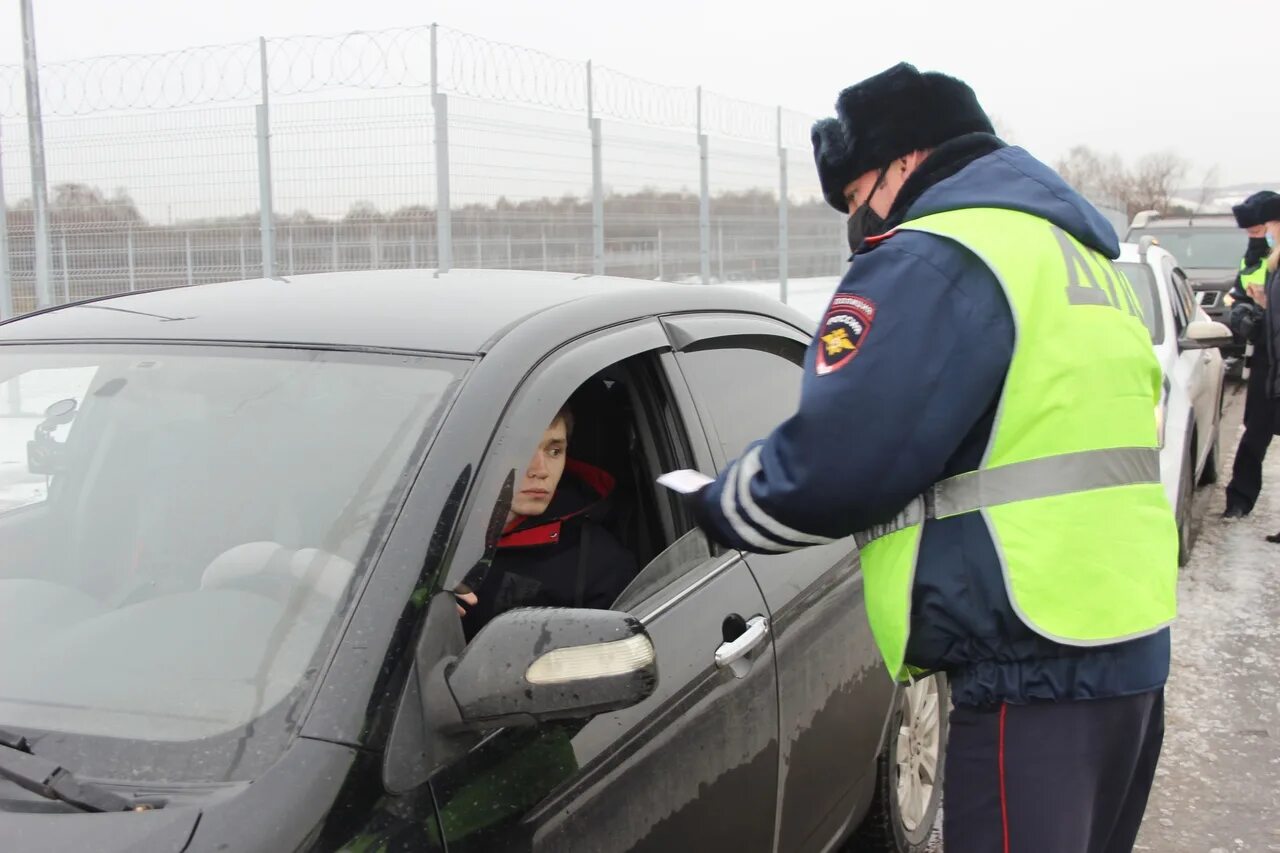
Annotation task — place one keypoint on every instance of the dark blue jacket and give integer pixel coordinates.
(905, 397)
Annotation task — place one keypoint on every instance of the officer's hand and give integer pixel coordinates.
(1258, 293)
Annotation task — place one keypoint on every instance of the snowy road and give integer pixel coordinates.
(1218, 784)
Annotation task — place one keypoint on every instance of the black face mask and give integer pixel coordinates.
(1256, 251)
(865, 222)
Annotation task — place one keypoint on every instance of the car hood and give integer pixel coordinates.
(159, 831)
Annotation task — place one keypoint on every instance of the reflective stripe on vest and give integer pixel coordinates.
(1069, 485)
(1021, 481)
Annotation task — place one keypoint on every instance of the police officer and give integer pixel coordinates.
(1246, 321)
(978, 408)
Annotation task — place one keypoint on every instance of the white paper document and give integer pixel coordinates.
(685, 481)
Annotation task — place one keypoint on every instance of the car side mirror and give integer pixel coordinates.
(1205, 334)
(536, 664)
(524, 667)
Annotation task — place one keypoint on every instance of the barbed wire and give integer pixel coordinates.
(193, 76)
(621, 96)
(796, 128)
(467, 65)
(385, 59)
(477, 67)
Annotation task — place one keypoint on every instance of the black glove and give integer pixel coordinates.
(1245, 322)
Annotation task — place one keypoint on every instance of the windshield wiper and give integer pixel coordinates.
(51, 780)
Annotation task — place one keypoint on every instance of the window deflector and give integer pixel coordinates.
(681, 557)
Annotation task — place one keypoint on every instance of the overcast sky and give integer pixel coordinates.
(1125, 76)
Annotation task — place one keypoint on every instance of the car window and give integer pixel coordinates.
(208, 514)
(24, 401)
(1176, 302)
(1199, 247)
(746, 385)
(1143, 282)
(1185, 294)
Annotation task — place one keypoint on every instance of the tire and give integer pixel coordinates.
(1209, 475)
(1186, 495)
(908, 796)
(1211, 465)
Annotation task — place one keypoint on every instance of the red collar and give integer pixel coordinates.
(543, 534)
(876, 238)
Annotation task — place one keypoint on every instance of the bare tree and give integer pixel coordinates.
(1096, 175)
(1148, 185)
(1154, 179)
(1207, 186)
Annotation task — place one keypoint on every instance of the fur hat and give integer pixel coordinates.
(1269, 209)
(1261, 207)
(897, 111)
(831, 154)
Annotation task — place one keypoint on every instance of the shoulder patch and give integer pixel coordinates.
(843, 330)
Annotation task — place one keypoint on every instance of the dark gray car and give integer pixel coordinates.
(232, 518)
(1209, 248)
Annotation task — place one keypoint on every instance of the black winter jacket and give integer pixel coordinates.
(562, 558)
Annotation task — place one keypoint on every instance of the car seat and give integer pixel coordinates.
(604, 435)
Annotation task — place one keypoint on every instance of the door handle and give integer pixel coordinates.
(750, 640)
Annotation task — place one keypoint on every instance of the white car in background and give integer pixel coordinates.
(1187, 344)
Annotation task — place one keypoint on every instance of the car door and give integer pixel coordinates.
(1194, 366)
(834, 696)
(694, 766)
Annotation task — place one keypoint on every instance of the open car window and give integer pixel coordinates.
(681, 557)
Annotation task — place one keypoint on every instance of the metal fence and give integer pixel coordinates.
(414, 147)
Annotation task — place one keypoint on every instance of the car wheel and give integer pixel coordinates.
(909, 772)
(1209, 475)
(1186, 494)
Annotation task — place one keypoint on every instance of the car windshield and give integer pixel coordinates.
(1199, 247)
(1143, 282)
(183, 530)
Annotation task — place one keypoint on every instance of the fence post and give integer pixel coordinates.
(479, 247)
(544, 248)
(784, 204)
(336, 261)
(509, 250)
(660, 276)
(413, 249)
(133, 266)
(6, 284)
(190, 272)
(444, 209)
(244, 261)
(373, 246)
(597, 178)
(66, 275)
(704, 201)
(35, 137)
(720, 250)
(268, 225)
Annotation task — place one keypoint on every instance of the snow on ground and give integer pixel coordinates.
(1218, 784)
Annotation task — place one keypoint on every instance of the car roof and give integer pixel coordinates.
(461, 311)
(1129, 253)
(1203, 220)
